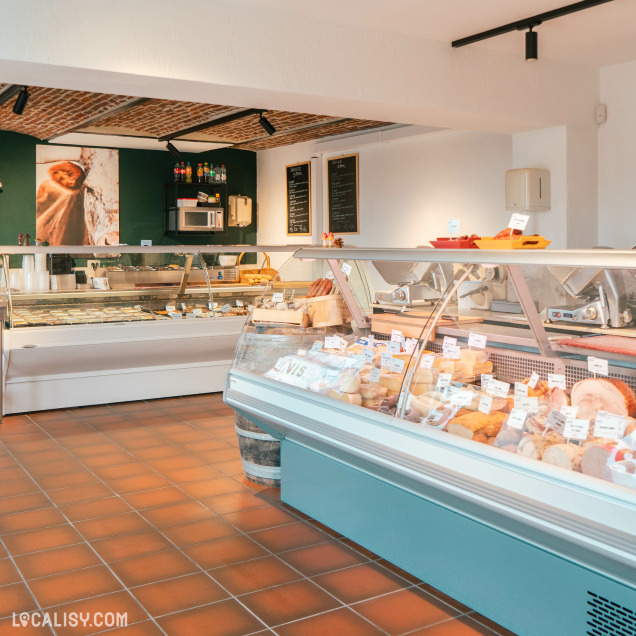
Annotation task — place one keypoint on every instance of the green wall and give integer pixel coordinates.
(142, 178)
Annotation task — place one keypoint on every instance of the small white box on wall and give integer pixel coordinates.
(528, 189)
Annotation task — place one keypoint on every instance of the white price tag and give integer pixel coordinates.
(340, 343)
(393, 347)
(331, 342)
(225, 309)
(250, 308)
(329, 275)
(497, 388)
(609, 425)
(409, 345)
(444, 380)
(427, 361)
(576, 429)
(368, 354)
(517, 418)
(396, 335)
(175, 315)
(519, 221)
(485, 404)
(449, 341)
(534, 378)
(346, 269)
(485, 378)
(555, 421)
(170, 308)
(451, 351)
(100, 283)
(239, 303)
(453, 226)
(477, 340)
(528, 404)
(569, 411)
(374, 375)
(317, 346)
(302, 352)
(521, 389)
(556, 381)
(278, 297)
(392, 364)
(197, 311)
(461, 398)
(598, 366)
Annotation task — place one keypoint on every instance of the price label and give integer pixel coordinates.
(175, 315)
(598, 366)
(517, 418)
(485, 404)
(451, 351)
(569, 411)
(444, 380)
(250, 308)
(521, 389)
(392, 364)
(556, 381)
(332, 342)
(519, 221)
(225, 309)
(497, 388)
(453, 226)
(477, 340)
(239, 303)
(461, 398)
(534, 378)
(609, 425)
(278, 297)
(449, 341)
(528, 404)
(427, 361)
(346, 269)
(393, 347)
(197, 312)
(555, 421)
(329, 275)
(317, 346)
(396, 335)
(170, 308)
(485, 378)
(409, 345)
(100, 283)
(368, 354)
(302, 352)
(576, 429)
(374, 375)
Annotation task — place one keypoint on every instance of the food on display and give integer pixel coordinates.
(477, 425)
(564, 455)
(603, 394)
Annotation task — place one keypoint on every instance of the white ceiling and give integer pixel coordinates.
(596, 37)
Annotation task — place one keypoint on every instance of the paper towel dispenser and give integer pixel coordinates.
(528, 189)
(240, 211)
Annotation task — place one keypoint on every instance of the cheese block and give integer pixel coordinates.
(351, 398)
(373, 391)
(350, 383)
(473, 356)
(374, 403)
(469, 369)
(476, 422)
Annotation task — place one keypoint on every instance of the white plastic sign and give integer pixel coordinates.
(197, 311)
(170, 308)
(576, 429)
(278, 297)
(392, 364)
(449, 341)
(517, 418)
(598, 366)
(497, 388)
(329, 275)
(374, 375)
(100, 283)
(555, 421)
(396, 335)
(409, 345)
(451, 351)
(461, 398)
(239, 303)
(556, 381)
(609, 425)
(534, 378)
(444, 380)
(485, 378)
(346, 269)
(519, 221)
(453, 226)
(427, 361)
(317, 346)
(477, 340)
(569, 411)
(393, 347)
(521, 389)
(368, 354)
(528, 404)
(485, 404)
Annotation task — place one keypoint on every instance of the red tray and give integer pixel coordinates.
(455, 244)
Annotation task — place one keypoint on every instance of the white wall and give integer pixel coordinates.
(617, 157)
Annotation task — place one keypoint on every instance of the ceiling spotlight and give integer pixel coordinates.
(532, 46)
(21, 101)
(173, 151)
(269, 129)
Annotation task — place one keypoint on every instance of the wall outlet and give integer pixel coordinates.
(145, 242)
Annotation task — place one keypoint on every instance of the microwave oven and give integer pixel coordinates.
(195, 219)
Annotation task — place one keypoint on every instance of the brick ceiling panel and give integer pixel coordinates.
(159, 117)
(51, 111)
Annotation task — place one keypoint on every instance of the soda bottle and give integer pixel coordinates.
(177, 172)
(223, 174)
(206, 173)
(182, 172)
(199, 173)
(188, 173)
(212, 174)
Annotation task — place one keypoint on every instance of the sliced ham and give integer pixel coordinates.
(603, 394)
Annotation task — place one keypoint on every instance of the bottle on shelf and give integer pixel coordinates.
(200, 173)
(223, 174)
(177, 172)
(182, 172)
(212, 174)
(188, 178)
(206, 173)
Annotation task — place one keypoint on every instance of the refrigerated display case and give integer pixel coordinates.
(445, 417)
(122, 322)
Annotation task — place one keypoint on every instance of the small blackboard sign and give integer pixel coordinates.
(299, 199)
(342, 177)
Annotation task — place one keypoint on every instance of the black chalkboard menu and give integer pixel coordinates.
(342, 177)
(299, 199)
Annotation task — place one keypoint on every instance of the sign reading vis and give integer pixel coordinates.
(299, 199)
(342, 180)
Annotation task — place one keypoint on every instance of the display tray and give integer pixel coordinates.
(520, 243)
(610, 344)
(454, 244)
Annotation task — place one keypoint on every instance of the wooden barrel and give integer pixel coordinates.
(260, 453)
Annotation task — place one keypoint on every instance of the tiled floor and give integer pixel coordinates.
(143, 508)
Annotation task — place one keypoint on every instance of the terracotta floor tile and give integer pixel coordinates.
(204, 443)
(21, 503)
(60, 467)
(233, 502)
(130, 545)
(103, 448)
(21, 521)
(118, 602)
(19, 487)
(46, 539)
(212, 487)
(189, 469)
(193, 438)
(153, 567)
(8, 573)
(7, 462)
(48, 562)
(83, 492)
(460, 607)
(112, 459)
(3, 553)
(214, 554)
(108, 473)
(220, 456)
(334, 534)
(144, 628)
(360, 582)
(339, 622)
(30, 458)
(225, 618)
(289, 602)
(462, 626)
(11, 474)
(251, 576)
(96, 509)
(294, 535)
(16, 598)
(405, 611)
(166, 516)
(73, 586)
(486, 622)
(138, 483)
(176, 595)
(321, 558)
(234, 468)
(68, 479)
(112, 526)
(259, 518)
(154, 498)
(157, 452)
(8, 629)
(199, 531)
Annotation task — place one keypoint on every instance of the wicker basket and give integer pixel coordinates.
(263, 271)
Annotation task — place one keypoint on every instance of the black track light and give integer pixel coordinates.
(269, 129)
(21, 101)
(532, 46)
(173, 151)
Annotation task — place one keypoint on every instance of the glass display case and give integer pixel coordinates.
(497, 385)
(122, 323)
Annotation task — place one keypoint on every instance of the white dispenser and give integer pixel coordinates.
(528, 189)
(240, 211)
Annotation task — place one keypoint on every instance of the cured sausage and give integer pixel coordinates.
(314, 288)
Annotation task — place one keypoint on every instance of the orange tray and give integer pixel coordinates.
(520, 243)
(450, 244)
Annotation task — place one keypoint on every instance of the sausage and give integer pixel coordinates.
(328, 286)
(323, 287)
(314, 288)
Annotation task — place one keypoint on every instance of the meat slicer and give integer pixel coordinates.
(417, 283)
(601, 295)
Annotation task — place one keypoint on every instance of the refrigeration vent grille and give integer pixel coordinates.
(607, 618)
(574, 374)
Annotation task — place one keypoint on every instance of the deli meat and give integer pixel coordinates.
(603, 394)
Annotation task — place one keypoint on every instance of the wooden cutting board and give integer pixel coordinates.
(412, 324)
(612, 344)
